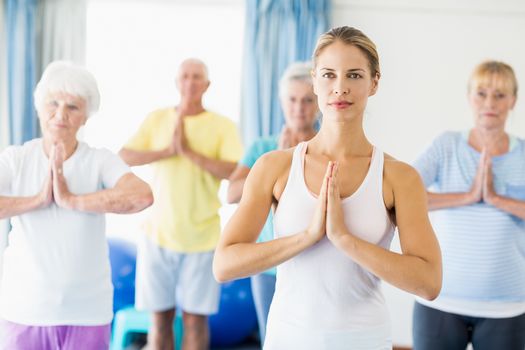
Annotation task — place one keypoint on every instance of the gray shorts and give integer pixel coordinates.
(166, 279)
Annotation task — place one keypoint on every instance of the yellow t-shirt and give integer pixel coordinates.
(185, 212)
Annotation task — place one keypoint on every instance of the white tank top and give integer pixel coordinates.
(323, 299)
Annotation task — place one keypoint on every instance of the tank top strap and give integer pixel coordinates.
(375, 180)
(297, 162)
(294, 181)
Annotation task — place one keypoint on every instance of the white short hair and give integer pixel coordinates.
(197, 61)
(295, 71)
(63, 76)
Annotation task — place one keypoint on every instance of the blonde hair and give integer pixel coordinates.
(349, 36)
(494, 71)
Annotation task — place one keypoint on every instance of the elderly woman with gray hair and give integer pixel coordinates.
(56, 290)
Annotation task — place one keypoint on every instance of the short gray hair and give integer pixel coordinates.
(296, 71)
(63, 76)
(198, 61)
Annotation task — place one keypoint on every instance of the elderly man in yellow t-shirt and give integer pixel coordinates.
(191, 150)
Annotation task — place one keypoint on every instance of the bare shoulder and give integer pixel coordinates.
(400, 177)
(274, 160)
(273, 164)
(273, 169)
(398, 171)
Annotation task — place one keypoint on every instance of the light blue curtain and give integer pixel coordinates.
(278, 32)
(20, 17)
(38, 32)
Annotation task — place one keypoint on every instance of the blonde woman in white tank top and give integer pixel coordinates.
(337, 200)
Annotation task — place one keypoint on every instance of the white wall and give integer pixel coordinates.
(427, 50)
(426, 54)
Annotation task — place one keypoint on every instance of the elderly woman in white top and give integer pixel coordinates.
(56, 290)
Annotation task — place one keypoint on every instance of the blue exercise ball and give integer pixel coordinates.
(236, 319)
(122, 257)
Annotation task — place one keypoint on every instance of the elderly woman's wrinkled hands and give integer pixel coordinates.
(63, 198)
(488, 181)
(475, 194)
(45, 197)
(483, 185)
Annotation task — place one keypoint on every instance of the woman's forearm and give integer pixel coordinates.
(449, 200)
(509, 205)
(236, 183)
(235, 190)
(246, 259)
(13, 206)
(130, 195)
(408, 272)
(110, 201)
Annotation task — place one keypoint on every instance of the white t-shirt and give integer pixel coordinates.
(56, 266)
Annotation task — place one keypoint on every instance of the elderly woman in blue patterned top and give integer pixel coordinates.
(476, 182)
